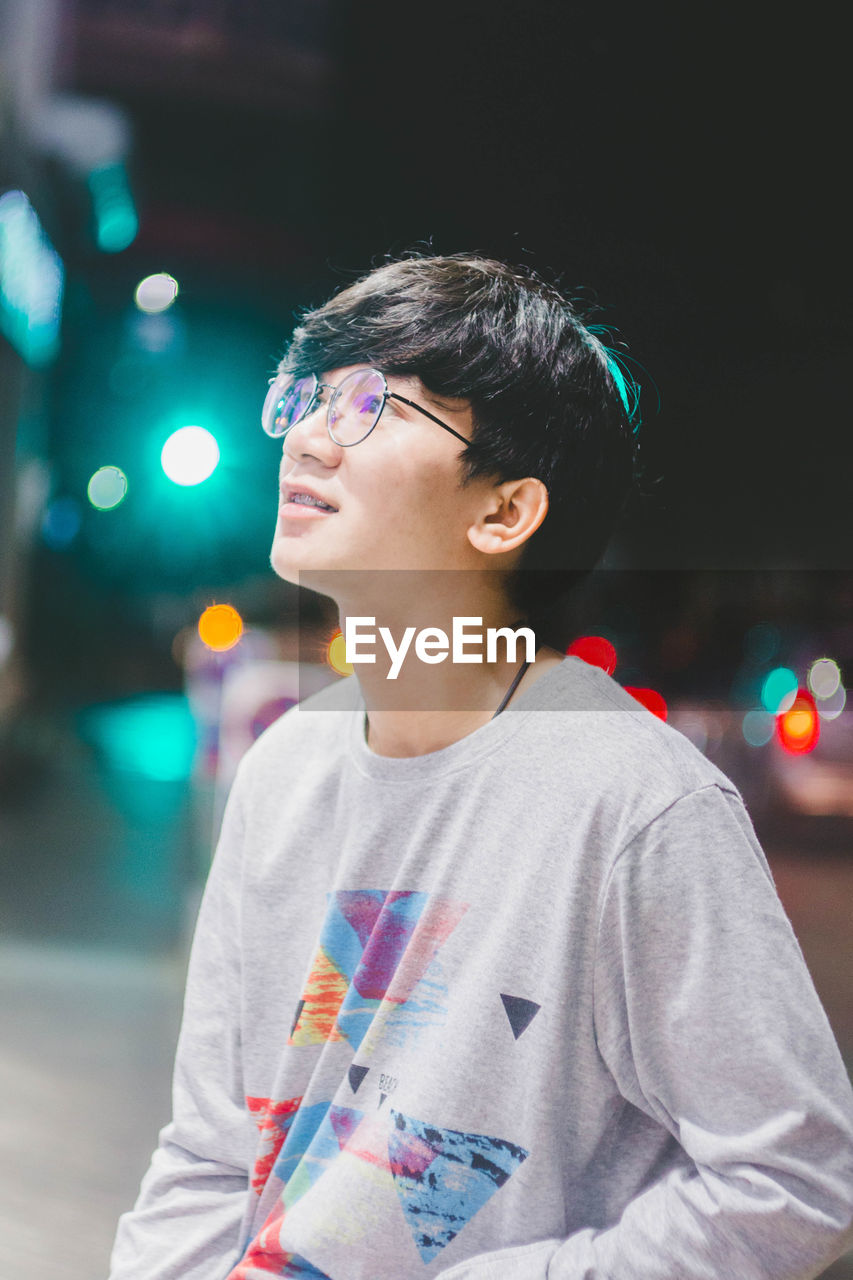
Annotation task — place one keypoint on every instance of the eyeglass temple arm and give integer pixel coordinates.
(392, 395)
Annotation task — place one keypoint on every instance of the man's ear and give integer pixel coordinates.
(513, 512)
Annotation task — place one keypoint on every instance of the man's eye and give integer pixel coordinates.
(367, 404)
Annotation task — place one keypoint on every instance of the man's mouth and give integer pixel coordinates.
(306, 500)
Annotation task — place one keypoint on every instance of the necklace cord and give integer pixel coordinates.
(518, 675)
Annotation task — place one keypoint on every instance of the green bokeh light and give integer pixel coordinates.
(116, 220)
(107, 488)
(154, 736)
(778, 690)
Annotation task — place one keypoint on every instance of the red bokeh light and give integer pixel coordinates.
(650, 699)
(595, 650)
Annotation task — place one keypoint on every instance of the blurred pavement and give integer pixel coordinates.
(85, 1067)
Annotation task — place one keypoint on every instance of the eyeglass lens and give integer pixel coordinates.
(353, 411)
(355, 406)
(286, 403)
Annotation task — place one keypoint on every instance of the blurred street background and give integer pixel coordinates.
(178, 179)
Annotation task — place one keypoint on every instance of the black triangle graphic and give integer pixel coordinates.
(356, 1075)
(382, 1098)
(299, 1009)
(520, 1012)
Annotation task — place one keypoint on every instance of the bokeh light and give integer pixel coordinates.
(190, 455)
(758, 727)
(336, 655)
(798, 728)
(595, 650)
(778, 690)
(61, 522)
(824, 677)
(153, 735)
(650, 699)
(156, 293)
(116, 219)
(32, 279)
(830, 708)
(107, 488)
(220, 627)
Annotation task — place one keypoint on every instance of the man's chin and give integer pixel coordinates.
(324, 580)
(284, 566)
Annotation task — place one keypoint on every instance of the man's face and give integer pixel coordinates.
(398, 496)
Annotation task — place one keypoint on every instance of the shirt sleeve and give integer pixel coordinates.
(186, 1220)
(708, 1020)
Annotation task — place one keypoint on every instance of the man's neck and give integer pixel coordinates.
(414, 705)
(465, 700)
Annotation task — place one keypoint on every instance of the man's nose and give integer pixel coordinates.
(311, 437)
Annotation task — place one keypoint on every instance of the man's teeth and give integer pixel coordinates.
(307, 500)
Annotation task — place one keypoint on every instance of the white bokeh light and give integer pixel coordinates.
(156, 293)
(107, 488)
(758, 726)
(190, 455)
(830, 708)
(824, 677)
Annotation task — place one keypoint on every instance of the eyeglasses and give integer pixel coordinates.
(354, 407)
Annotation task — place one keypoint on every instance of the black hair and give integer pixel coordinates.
(548, 398)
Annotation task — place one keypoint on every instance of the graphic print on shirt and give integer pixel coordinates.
(375, 973)
(375, 948)
(356, 1075)
(267, 1258)
(443, 1177)
(440, 1177)
(273, 1120)
(520, 1012)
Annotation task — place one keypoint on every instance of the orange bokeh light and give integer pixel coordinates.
(798, 728)
(220, 627)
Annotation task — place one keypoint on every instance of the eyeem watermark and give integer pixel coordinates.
(432, 645)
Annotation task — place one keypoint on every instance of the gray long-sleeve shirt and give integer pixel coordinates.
(524, 1007)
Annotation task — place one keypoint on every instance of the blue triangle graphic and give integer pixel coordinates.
(443, 1177)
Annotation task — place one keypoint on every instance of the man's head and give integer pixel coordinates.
(505, 360)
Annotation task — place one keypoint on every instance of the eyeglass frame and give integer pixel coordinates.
(386, 396)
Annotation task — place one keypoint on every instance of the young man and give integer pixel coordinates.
(490, 980)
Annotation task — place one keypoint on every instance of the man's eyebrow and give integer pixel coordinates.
(449, 406)
(440, 402)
